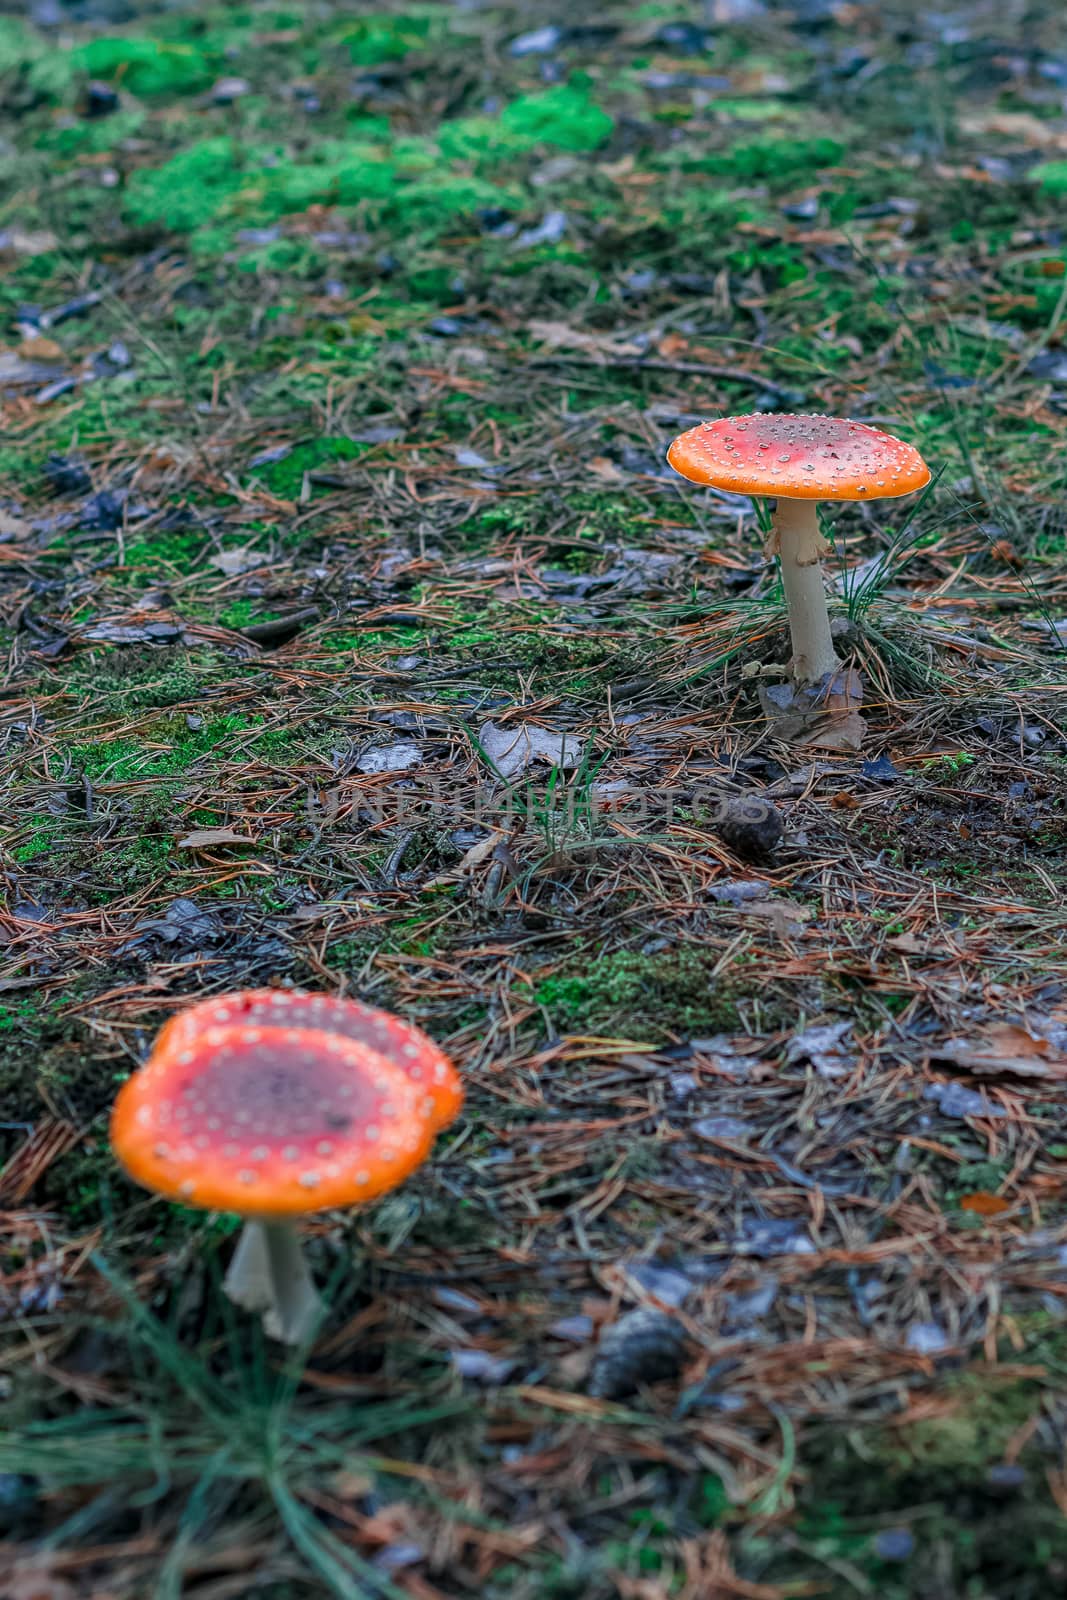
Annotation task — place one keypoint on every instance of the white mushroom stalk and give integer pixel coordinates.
(798, 543)
(269, 1275)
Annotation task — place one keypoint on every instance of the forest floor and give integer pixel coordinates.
(341, 349)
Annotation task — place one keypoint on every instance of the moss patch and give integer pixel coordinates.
(639, 996)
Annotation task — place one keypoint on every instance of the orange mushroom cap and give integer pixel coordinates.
(270, 1121)
(798, 458)
(402, 1044)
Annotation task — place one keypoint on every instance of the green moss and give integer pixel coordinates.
(188, 189)
(147, 67)
(240, 613)
(120, 760)
(377, 40)
(34, 68)
(777, 161)
(631, 995)
(1051, 175)
(564, 116)
(93, 138)
(42, 843)
(216, 178)
(286, 477)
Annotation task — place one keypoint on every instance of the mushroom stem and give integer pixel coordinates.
(268, 1273)
(799, 544)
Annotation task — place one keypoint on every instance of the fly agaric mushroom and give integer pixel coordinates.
(800, 460)
(276, 1105)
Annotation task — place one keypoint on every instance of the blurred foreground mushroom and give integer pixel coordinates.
(275, 1105)
(800, 461)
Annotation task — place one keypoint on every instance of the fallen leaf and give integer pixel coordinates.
(786, 917)
(38, 348)
(35, 1580)
(561, 336)
(985, 1205)
(826, 1047)
(28, 242)
(474, 857)
(605, 469)
(819, 716)
(841, 732)
(202, 838)
(1007, 1047)
(512, 750)
(12, 527)
(1036, 131)
(234, 562)
(397, 757)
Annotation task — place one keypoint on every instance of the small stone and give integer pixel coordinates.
(100, 100)
(894, 1544)
(751, 827)
(666, 1284)
(578, 1329)
(1006, 1477)
(644, 1346)
(18, 1496)
(66, 474)
(926, 1338)
(480, 1366)
(227, 90)
(735, 1130)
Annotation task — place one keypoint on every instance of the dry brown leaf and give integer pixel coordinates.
(474, 857)
(786, 917)
(38, 348)
(27, 241)
(603, 468)
(983, 1204)
(201, 838)
(841, 733)
(35, 1580)
(12, 527)
(1044, 135)
(561, 336)
(1007, 1047)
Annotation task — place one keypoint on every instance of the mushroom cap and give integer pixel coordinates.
(270, 1122)
(798, 458)
(402, 1044)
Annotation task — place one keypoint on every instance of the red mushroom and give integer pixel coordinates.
(800, 460)
(233, 1112)
(404, 1045)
